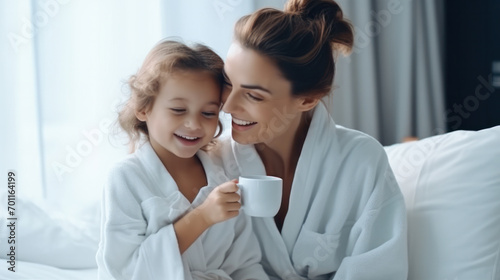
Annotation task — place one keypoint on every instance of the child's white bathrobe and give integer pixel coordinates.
(346, 216)
(138, 241)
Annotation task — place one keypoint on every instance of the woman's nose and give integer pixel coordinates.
(230, 100)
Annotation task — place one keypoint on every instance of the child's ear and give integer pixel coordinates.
(308, 103)
(141, 115)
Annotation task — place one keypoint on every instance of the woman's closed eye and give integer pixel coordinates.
(253, 97)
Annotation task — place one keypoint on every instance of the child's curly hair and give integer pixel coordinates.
(164, 59)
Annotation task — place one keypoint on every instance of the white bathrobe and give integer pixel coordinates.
(346, 216)
(138, 241)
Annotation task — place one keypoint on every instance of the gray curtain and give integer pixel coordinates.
(391, 86)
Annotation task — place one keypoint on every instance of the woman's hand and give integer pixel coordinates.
(221, 204)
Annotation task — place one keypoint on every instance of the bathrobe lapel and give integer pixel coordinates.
(307, 180)
(249, 163)
(194, 256)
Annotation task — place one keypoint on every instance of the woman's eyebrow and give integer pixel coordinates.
(256, 87)
(247, 86)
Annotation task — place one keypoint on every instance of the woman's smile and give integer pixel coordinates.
(242, 125)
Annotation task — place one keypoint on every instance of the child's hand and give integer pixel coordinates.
(221, 204)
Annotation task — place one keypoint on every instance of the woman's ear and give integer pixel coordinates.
(141, 115)
(308, 103)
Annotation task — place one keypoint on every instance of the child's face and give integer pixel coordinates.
(184, 115)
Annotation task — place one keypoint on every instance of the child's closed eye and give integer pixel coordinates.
(178, 110)
(209, 114)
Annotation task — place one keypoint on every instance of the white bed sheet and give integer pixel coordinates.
(34, 271)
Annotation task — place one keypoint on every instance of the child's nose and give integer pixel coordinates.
(193, 123)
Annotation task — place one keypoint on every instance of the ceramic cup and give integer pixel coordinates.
(260, 195)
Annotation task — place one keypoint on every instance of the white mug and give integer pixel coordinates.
(260, 195)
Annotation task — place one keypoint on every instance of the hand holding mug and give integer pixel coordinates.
(221, 204)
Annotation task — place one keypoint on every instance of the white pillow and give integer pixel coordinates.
(43, 238)
(451, 185)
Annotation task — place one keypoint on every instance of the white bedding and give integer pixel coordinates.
(32, 271)
(50, 245)
(451, 183)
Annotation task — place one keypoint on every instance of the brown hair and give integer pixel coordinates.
(164, 59)
(301, 40)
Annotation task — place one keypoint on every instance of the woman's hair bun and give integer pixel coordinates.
(328, 15)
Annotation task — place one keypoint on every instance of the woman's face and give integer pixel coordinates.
(258, 97)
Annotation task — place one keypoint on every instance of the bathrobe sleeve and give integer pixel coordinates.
(127, 251)
(377, 243)
(243, 257)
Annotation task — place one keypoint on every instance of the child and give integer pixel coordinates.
(168, 211)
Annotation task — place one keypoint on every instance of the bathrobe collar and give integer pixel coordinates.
(157, 171)
(320, 140)
(179, 204)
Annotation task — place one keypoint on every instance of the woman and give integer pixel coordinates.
(342, 215)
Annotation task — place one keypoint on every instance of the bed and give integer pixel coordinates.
(451, 185)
